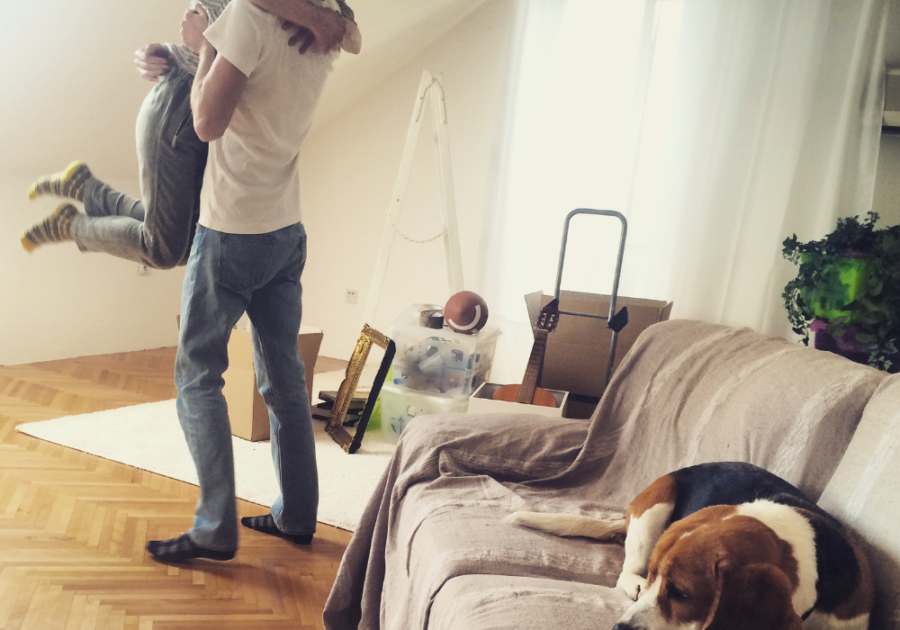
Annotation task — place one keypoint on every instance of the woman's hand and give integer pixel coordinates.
(192, 26)
(152, 61)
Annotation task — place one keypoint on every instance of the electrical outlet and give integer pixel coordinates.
(143, 270)
(352, 296)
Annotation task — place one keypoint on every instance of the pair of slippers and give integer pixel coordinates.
(183, 549)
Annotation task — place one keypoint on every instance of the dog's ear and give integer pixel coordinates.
(721, 567)
(750, 597)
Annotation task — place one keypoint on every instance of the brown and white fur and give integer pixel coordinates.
(703, 552)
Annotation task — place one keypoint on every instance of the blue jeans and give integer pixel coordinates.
(226, 275)
(158, 229)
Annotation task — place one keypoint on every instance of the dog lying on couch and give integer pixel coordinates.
(729, 546)
(432, 550)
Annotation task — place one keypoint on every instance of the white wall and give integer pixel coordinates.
(69, 87)
(69, 91)
(73, 93)
(887, 182)
(59, 303)
(350, 165)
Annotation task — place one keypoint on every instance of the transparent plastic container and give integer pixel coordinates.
(440, 361)
(400, 405)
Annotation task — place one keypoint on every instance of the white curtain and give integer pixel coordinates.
(717, 127)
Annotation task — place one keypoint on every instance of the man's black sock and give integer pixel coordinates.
(266, 525)
(183, 549)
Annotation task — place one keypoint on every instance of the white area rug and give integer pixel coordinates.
(149, 437)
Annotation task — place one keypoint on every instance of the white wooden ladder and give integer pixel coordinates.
(430, 89)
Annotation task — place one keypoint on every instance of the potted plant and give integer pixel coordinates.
(847, 291)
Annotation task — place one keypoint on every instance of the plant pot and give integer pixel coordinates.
(846, 346)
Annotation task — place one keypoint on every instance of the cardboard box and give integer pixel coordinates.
(577, 352)
(246, 408)
(482, 401)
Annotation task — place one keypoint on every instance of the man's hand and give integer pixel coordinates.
(352, 42)
(329, 32)
(152, 61)
(302, 37)
(192, 26)
(327, 26)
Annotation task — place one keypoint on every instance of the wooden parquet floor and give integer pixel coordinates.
(73, 527)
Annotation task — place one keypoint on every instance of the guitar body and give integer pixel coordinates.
(510, 393)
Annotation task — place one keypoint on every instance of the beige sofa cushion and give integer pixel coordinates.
(691, 392)
(865, 494)
(491, 602)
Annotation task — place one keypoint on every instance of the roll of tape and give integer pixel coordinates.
(431, 318)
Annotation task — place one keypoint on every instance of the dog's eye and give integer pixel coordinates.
(676, 594)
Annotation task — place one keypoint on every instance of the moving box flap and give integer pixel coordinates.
(247, 410)
(240, 350)
(577, 352)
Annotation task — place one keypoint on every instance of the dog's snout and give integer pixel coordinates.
(623, 626)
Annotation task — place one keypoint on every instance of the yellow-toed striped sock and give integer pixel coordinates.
(54, 229)
(69, 183)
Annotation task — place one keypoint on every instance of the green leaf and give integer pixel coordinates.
(890, 243)
(876, 288)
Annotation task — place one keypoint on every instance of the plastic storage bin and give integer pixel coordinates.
(400, 405)
(440, 361)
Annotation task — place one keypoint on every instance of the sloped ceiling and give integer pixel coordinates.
(394, 32)
(68, 88)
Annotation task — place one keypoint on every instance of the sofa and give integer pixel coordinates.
(433, 551)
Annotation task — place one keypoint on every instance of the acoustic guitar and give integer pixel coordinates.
(528, 393)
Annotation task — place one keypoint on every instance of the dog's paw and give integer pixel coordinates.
(632, 584)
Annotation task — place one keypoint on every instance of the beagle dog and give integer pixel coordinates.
(729, 546)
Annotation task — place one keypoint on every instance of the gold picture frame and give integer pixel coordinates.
(335, 425)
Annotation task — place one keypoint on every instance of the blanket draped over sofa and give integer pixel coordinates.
(432, 550)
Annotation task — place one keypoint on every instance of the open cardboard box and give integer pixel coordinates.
(482, 401)
(577, 352)
(246, 408)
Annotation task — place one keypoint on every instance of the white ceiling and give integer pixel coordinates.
(69, 89)
(394, 32)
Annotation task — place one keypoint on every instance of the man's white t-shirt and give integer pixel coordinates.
(251, 184)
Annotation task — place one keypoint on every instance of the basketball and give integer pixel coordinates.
(466, 312)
